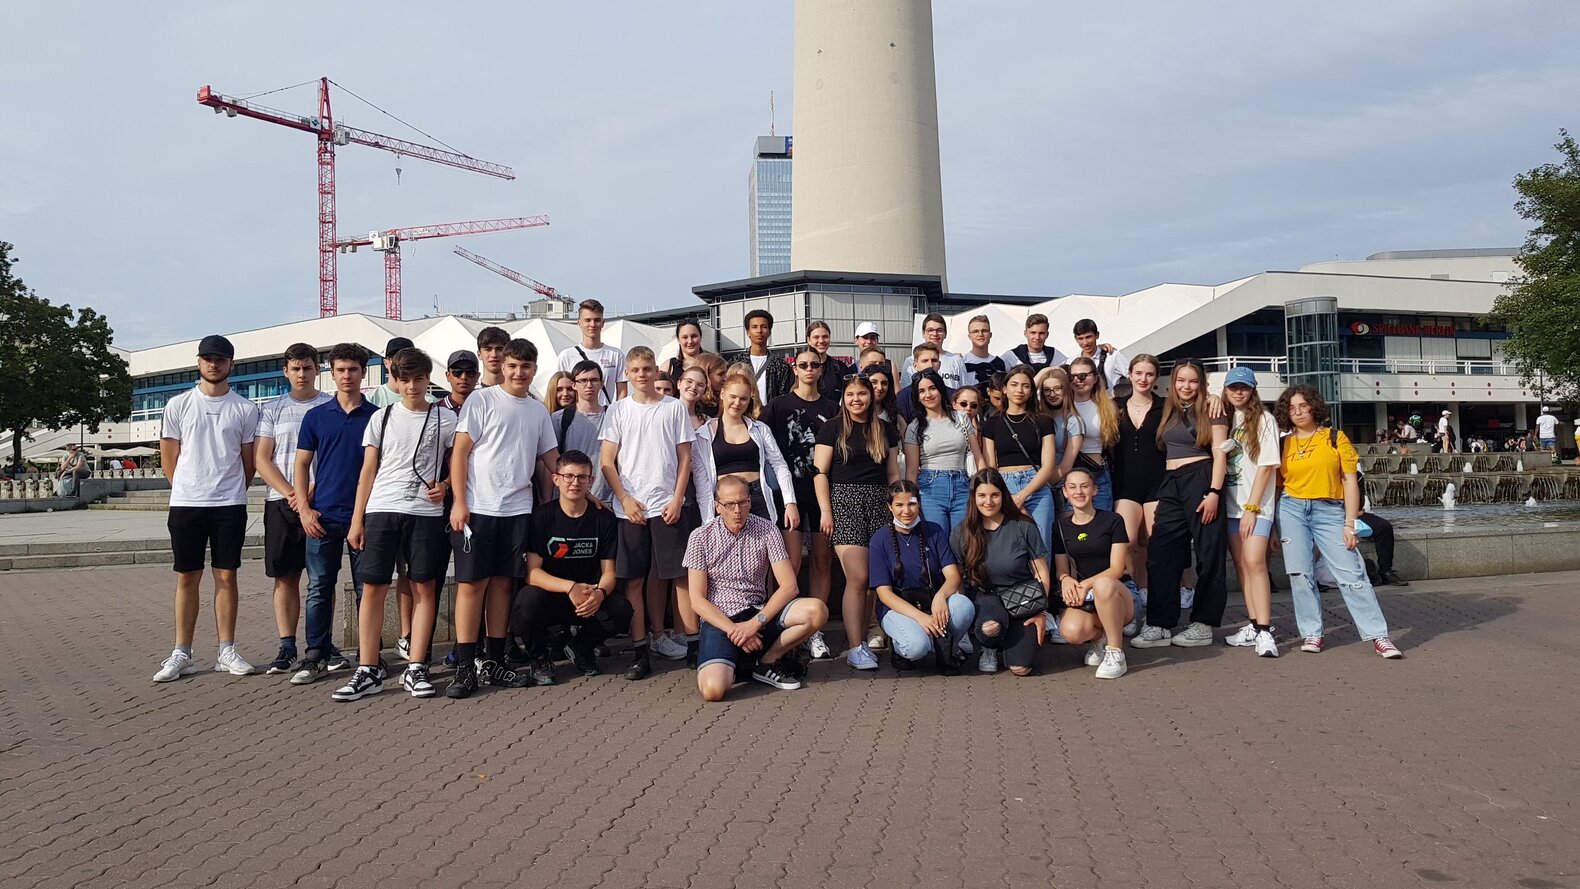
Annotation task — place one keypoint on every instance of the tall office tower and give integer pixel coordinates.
(868, 195)
(768, 206)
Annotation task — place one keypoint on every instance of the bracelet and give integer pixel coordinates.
(1218, 491)
(1253, 508)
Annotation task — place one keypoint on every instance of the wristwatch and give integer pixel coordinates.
(762, 618)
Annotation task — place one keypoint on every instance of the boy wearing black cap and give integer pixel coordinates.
(385, 395)
(206, 452)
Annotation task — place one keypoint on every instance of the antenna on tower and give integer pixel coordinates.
(770, 112)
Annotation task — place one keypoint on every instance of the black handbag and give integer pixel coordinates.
(1024, 599)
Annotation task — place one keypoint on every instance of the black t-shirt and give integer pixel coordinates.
(1089, 546)
(1029, 430)
(572, 548)
(980, 370)
(795, 423)
(860, 469)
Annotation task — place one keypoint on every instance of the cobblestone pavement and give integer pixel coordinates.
(1203, 766)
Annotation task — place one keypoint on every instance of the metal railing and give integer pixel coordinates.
(1463, 366)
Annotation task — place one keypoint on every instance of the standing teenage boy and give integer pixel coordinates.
(576, 427)
(284, 541)
(646, 460)
(328, 464)
(772, 376)
(462, 373)
(491, 342)
(1111, 363)
(981, 364)
(950, 365)
(570, 572)
(399, 518)
(206, 452)
(389, 393)
(589, 317)
(1032, 351)
(832, 377)
(503, 434)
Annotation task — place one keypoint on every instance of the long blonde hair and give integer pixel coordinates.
(734, 376)
(1107, 411)
(877, 441)
(1059, 415)
(1174, 409)
(1254, 411)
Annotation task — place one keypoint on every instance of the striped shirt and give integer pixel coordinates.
(737, 564)
(280, 419)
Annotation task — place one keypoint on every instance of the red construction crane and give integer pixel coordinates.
(508, 272)
(388, 242)
(330, 134)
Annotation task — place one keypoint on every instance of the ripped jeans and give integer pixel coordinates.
(1308, 525)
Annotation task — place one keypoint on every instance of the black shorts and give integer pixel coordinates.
(498, 547)
(196, 529)
(655, 543)
(416, 541)
(284, 541)
(806, 502)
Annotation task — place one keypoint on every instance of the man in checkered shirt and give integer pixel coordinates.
(728, 560)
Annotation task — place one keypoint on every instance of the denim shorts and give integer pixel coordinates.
(1264, 526)
(715, 647)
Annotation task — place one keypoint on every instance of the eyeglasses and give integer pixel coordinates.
(808, 365)
(1049, 391)
(735, 504)
(588, 381)
(574, 478)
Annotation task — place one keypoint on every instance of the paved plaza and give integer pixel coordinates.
(1206, 767)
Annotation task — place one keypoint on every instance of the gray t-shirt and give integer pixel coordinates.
(582, 435)
(945, 445)
(1010, 551)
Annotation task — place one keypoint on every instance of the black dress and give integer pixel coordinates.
(1137, 461)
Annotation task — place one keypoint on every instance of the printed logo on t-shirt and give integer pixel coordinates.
(573, 547)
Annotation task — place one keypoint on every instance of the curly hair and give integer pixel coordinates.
(1319, 406)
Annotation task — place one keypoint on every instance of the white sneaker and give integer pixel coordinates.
(178, 664)
(1265, 646)
(1193, 636)
(988, 662)
(1113, 665)
(1094, 654)
(1133, 627)
(228, 661)
(1244, 638)
(665, 646)
(817, 646)
(877, 640)
(1151, 637)
(1187, 596)
(861, 658)
(403, 648)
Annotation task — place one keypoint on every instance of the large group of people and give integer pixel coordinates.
(979, 506)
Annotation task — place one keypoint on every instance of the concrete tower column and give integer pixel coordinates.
(868, 195)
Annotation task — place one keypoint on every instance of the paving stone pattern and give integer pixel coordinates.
(1205, 767)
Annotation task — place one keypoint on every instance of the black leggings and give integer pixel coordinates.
(537, 611)
(1382, 538)
(1015, 641)
(1176, 527)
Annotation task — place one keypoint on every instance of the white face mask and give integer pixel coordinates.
(908, 527)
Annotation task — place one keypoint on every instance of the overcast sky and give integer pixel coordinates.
(1087, 148)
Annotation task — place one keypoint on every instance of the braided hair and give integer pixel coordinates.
(896, 488)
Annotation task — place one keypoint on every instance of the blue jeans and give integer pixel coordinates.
(1038, 505)
(910, 641)
(944, 497)
(1103, 498)
(323, 574)
(1319, 525)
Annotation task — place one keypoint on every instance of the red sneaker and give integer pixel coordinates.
(1386, 648)
(1311, 645)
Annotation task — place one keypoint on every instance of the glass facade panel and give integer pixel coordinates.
(768, 215)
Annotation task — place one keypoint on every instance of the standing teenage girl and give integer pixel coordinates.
(1101, 420)
(1137, 466)
(689, 335)
(735, 444)
(1249, 490)
(1058, 407)
(1018, 442)
(937, 443)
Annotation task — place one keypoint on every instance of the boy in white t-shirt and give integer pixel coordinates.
(206, 452)
(589, 317)
(646, 460)
(503, 433)
(399, 517)
(284, 541)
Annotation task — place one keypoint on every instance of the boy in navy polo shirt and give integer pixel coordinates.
(328, 464)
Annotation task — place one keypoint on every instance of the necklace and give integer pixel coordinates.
(1010, 418)
(1302, 450)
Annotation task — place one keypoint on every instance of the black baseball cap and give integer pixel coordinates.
(461, 356)
(214, 344)
(396, 344)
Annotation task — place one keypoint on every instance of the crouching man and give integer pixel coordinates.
(728, 560)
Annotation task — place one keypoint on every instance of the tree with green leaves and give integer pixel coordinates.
(57, 369)
(1541, 308)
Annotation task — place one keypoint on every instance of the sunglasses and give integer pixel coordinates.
(808, 365)
(1080, 376)
(464, 371)
(859, 375)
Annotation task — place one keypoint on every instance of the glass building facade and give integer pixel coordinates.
(768, 206)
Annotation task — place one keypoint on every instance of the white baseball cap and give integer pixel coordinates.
(1448, 413)
(866, 328)
(1546, 409)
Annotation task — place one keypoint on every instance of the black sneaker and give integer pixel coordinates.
(337, 661)
(641, 664)
(601, 650)
(585, 661)
(542, 671)
(771, 674)
(384, 669)
(284, 661)
(365, 681)
(500, 676)
(463, 683)
(691, 654)
(947, 664)
(901, 664)
(1386, 577)
(517, 655)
